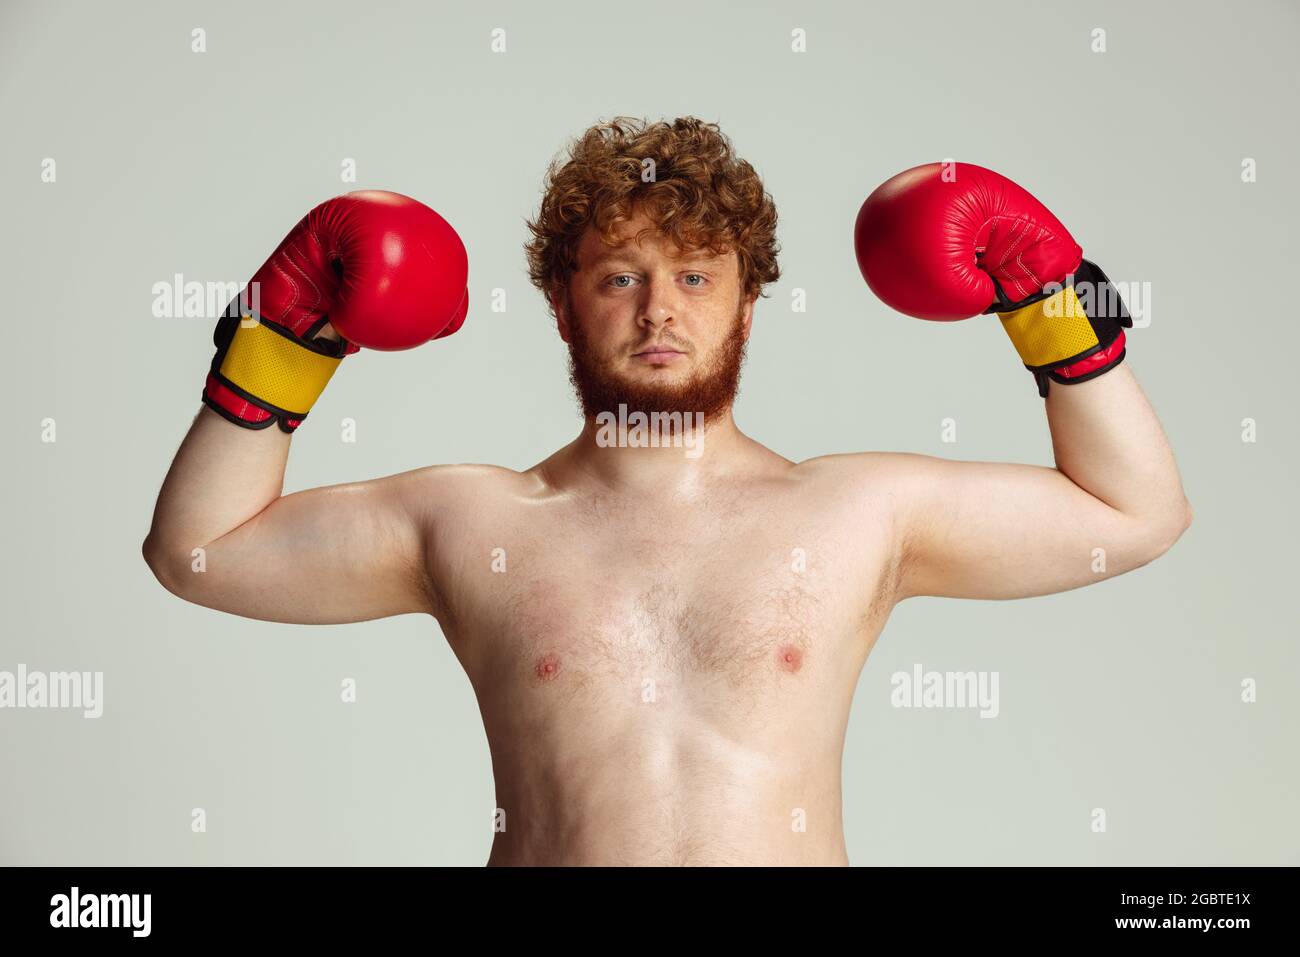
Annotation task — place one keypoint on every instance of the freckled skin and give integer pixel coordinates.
(789, 658)
(547, 667)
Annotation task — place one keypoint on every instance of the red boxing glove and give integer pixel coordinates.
(949, 241)
(383, 270)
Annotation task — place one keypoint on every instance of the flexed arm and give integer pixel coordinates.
(948, 241)
(385, 272)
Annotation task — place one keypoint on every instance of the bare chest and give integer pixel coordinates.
(622, 608)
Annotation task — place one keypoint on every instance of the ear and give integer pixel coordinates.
(558, 302)
(748, 319)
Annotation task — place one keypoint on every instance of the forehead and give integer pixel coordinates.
(650, 243)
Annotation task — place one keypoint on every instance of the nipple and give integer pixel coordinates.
(547, 667)
(789, 658)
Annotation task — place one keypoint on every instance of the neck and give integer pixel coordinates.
(619, 453)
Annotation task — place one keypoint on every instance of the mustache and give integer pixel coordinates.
(664, 342)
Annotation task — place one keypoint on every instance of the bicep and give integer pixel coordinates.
(330, 555)
(994, 530)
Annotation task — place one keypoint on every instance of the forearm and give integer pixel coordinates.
(221, 477)
(1107, 440)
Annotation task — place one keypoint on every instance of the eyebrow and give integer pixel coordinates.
(702, 256)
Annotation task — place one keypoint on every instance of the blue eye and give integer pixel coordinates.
(621, 276)
(698, 276)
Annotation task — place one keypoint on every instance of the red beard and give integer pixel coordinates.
(710, 392)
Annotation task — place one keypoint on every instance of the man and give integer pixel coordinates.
(664, 638)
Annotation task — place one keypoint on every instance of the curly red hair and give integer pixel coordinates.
(700, 196)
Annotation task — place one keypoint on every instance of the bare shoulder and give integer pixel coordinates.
(867, 495)
(880, 473)
(470, 478)
(452, 506)
(867, 491)
(442, 490)
(888, 489)
(874, 492)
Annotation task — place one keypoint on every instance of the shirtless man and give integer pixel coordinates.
(665, 642)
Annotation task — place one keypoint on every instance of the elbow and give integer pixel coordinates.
(1164, 534)
(161, 563)
(152, 556)
(1184, 522)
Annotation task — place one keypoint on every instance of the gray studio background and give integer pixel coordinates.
(1124, 696)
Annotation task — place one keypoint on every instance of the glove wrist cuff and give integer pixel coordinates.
(261, 365)
(1072, 332)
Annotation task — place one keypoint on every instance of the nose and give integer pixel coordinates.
(658, 306)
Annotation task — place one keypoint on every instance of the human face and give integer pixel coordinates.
(652, 327)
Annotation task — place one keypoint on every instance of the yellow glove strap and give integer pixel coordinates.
(276, 369)
(1050, 331)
